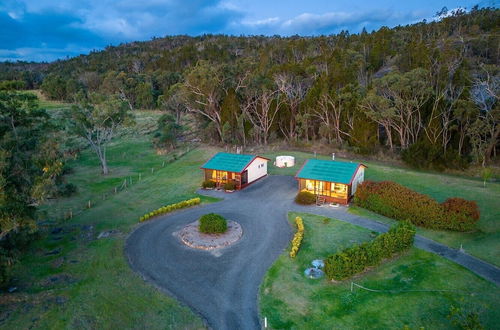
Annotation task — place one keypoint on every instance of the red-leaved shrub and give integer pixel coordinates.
(398, 202)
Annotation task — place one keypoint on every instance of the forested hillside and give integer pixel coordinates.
(427, 91)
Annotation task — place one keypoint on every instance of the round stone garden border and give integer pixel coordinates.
(192, 237)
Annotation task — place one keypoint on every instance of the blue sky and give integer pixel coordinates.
(45, 30)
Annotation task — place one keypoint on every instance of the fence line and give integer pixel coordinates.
(399, 291)
(63, 214)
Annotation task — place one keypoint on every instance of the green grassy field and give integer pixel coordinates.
(291, 301)
(483, 243)
(87, 282)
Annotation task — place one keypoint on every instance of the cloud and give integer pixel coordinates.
(330, 22)
(64, 28)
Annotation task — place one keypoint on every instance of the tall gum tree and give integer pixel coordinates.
(97, 122)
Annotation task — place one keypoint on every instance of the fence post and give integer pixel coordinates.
(139, 176)
(116, 190)
(152, 170)
(89, 204)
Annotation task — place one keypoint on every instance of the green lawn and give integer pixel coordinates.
(291, 301)
(483, 243)
(89, 284)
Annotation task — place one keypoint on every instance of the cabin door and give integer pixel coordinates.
(244, 177)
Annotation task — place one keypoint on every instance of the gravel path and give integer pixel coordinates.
(222, 285)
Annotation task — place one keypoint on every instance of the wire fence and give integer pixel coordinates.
(353, 285)
(62, 214)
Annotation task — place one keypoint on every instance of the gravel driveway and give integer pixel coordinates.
(222, 285)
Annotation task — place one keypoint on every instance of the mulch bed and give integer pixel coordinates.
(192, 237)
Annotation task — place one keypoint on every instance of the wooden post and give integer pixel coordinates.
(152, 170)
(116, 190)
(71, 213)
(139, 176)
(89, 204)
(163, 164)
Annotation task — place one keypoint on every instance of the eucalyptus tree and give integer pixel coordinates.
(97, 120)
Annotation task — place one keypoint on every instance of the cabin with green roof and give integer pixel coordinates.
(241, 169)
(330, 180)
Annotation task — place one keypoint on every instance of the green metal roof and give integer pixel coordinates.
(224, 161)
(328, 170)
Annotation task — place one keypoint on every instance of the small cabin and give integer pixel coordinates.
(330, 180)
(241, 169)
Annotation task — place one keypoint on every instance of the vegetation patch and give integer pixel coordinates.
(208, 184)
(297, 238)
(356, 259)
(305, 198)
(170, 208)
(229, 186)
(213, 224)
(408, 288)
(396, 201)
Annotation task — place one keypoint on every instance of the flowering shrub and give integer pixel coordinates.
(212, 223)
(297, 238)
(357, 258)
(170, 208)
(400, 203)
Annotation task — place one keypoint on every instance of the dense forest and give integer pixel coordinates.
(426, 92)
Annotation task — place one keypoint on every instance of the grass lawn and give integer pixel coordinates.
(483, 243)
(70, 278)
(291, 301)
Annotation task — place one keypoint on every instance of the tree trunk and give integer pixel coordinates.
(491, 145)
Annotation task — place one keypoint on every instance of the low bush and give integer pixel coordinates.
(395, 201)
(208, 184)
(305, 198)
(357, 258)
(297, 238)
(229, 186)
(213, 224)
(170, 208)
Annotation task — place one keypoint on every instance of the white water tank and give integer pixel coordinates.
(285, 161)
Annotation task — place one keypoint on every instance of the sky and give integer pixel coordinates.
(46, 30)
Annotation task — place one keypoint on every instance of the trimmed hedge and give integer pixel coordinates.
(212, 223)
(297, 238)
(305, 198)
(398, 202)
(357, 258)
(170, 208)
(229, 186)
(208, 184)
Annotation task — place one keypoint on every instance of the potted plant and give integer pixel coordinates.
(208, 184)
(229, 186)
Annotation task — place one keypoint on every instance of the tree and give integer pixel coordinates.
(168, 132)
(486, 174)
(294, 88)
(27, 160)
(97, 121)
(261, 110)
(203, 85)
(405, 95)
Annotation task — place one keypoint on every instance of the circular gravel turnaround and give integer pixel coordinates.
(192, 237)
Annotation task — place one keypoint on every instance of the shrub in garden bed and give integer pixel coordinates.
(170, 208)
(297, 238)
(398, 202)
(212, 223)
(229, 186)
(305, 198)
(357, 258)
(208, 184)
